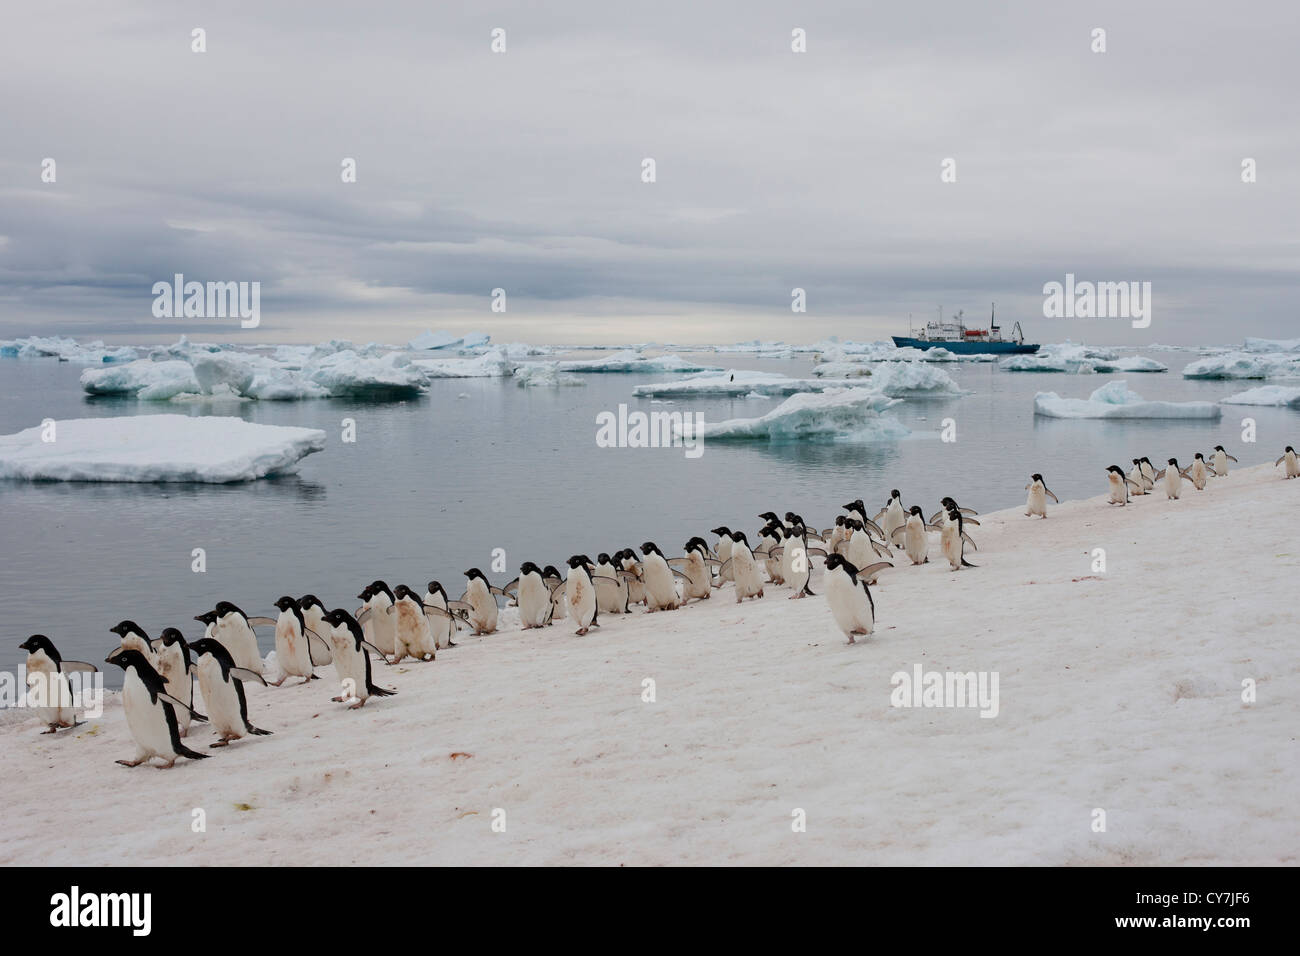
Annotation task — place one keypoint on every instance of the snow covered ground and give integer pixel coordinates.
(155, 448)
(1119, 691)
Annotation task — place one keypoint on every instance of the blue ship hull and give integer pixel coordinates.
(966, 348)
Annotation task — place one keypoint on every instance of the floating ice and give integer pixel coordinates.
(66, 350)
(434, 340)
(156, 448)
(1266, 395)
(736, 382)
(347, 374)
(841, 414)
(491, 364)
(630, 360)
(1075, 359)
(899, 379)
(544, 375)
(1271, 345)
(1246, 365)
(253, 376)
(1116, 400)
(151, 381)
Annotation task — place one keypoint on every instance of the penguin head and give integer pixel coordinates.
(310, 600)
(915, 510)
(225, 607)
(1199, 457)
(210, 645)
(948, 503)
(740, 536)
(576, 561)
(1036, 477)
(1146, 459)
(649, 547)
(39, 642)
(1116, 469)
(852, 506)
(170, 636)
(366, 593)
(379, 587)
(834, 561)
(338, 618)
(473, 573)
(529, 568)
(124, 628)
(602, 558)
(435, 587)
(550, 571)
(126, 658)
(894, 495)
(1218, 448)
(722, 531)
(1290, 449)
(285, 603)
(840, 521)
(1174, 462)
(402, 591)
(207, 617)
(1136, 461)
(770, 517)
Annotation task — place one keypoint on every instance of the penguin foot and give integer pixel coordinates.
(168, 765)
(132, 763)
(580, 631)
(54, 729)
(308, 680)
(223, 742)
(358, 705)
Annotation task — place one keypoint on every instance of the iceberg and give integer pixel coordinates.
(347, 374)
(544, 375)
(1266, 395)
(839, 415)
(490, 364)
(156, 448)
(841, 369)
(898, 379)
(150, 381)
(252, 376)
(1271, 345)
(737, 382)
(1075, 359)
(434, 340)
(1245, 365)
(1117, 400)
(630, 360)
(66, 350)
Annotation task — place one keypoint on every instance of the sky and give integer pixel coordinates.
(774, 170)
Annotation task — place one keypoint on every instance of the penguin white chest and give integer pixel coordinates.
(145, 719)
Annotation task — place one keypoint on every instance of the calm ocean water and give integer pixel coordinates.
(433, 485)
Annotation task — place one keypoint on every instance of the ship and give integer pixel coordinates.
(955, 337)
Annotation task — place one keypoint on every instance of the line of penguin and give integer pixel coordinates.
(160, 673)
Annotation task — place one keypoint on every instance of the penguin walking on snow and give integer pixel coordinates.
(1121, 483)
(231, 628)
(1292, 463)
(953, 540)
(1200, 472)
(660, 585)
(742, 569)
(150, 711)
(296, 643)
(351, 659)
(849, 598)
(1038, 495)
(1173, 476)
(133, 638)
(312, 612)
(915, 543)
(174, 666)
(580, 592)
(414, 634)
(222, 686)
(1220, 458)
(47, 683)
(481, 597)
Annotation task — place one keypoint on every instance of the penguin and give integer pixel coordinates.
(133, 638)
(953, 540)
(174, 667)
(442, 626)
(862, 548)
(611, 585)
(1173, 476)
(535, 605)
(770, 541)
(580, 593)
(940, 517)
(1221, 459)
(47, 683)
(837, 536)
(1292, 463)
(351, 659)
(312, 612)
(1200, 472)
(480, 596)
(697, 570)
(295, 642)
(915, 544)
(1121, 483)
(150, 711)
(892, 516)
(1148, 472)
(742, 569)
(551, 577)
(635, 584)
(858, 510)
(660, 588)
(1137, 479)
(1038, 495)
(231, 628)
(383, 621)
(849, 598)
(222, 686)
(724, 552)
(796, 562)
(413, 636)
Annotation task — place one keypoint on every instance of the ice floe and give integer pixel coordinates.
(899, 379)
(544, 375)
(66, 350)
(155, 448)
(1266, 395)
(630, 360)
(1117, 400)
(1229, 365)
(840, 414)
(150, 381)
(491, 364)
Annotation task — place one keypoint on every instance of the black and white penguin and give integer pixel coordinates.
(580, 593)
(47, 683)
(133, 638)
(150, 711)
(222, 686)
(443, 625)
(1120, 484)
(481, 597)
(743, 570)
(1292, 462)
(1220, 459)
(230, 626)
(173, 656)
(312, 612)
(660, 585)
(1038, 495)
(351, 659)
(849, 598)
(414, 636)
(723, 551)
(953, 540)
(611, 585)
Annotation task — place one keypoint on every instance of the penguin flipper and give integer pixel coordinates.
(679, 574)
(194, 715)
(897, 531)
(817, 551)
(244, 674)
(872, 570)
(78, 667)
(1049, 494)
(968, 511)
(364, 615)
(935, 517)
(1230, 458)
(1160, 474)
(967, 564)
(868, 523)
(967, 538)
(722, 569)
(970, 520)
(382, 655)
(262, 621)
(313, 636)
(677, 562)
(1279, 461)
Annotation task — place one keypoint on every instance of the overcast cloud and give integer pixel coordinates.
(522, 170)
